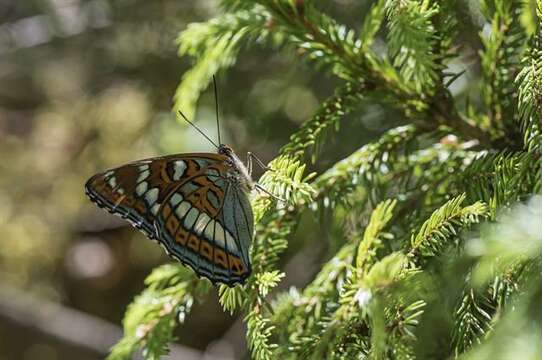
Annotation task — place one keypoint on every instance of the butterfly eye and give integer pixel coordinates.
(225, 150)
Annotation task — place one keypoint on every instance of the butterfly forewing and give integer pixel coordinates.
(136, 190)
(199, 226)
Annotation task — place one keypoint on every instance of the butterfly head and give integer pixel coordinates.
(224, 149)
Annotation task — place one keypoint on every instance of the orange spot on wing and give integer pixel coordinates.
(166, 210)
(193, 243)
(206, 250)
(181, 236)
(199, 199)
(163, 173)
(220, 258)
(236, 265)
(172, 224)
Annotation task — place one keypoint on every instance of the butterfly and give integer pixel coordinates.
(195, 205)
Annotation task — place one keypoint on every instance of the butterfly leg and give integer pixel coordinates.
(264, 190)
(252, 156)
(249, 163)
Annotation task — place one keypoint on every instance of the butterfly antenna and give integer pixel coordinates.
(198, 129)
(216, 106)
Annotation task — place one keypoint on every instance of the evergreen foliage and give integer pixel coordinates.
(413, 276)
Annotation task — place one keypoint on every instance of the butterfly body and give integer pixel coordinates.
(195, 205)
(238, 173)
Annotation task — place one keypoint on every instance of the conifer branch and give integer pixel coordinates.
(500, 58)
(473, 322)
(371, 24)
(529, 81)
(150, 320)
(444, 224)
(411, 39)
(215, 45)
(496, 178)
(311, 135)
(304, 312)
(479, 308)
(511, 250)
(371, 237)
(352, 170)
(359, 287)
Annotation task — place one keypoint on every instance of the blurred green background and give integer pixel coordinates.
(88, 85)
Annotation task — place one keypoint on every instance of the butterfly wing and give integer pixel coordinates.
(135, 191)
(207, 223)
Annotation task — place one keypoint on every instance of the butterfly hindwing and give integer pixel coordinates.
(206, 223)
(135, 191)
(238, 220)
